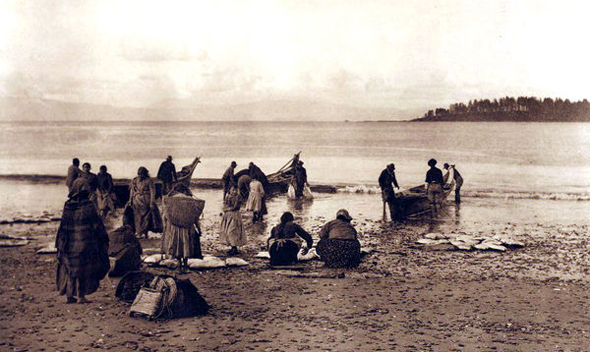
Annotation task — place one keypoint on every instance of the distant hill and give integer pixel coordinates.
(27, 109)
(513, 109)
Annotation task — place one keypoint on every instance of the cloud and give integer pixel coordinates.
(134, 49)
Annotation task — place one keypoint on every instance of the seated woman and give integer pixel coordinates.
(338, 246)
(285, 241)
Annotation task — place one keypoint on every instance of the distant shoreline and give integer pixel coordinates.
(511, 109)
(519, 117)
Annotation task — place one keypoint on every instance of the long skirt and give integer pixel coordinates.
(181, 242)
(145, 218)
(141, 213)
(338, 253)
(283, 251)
(71, 285)
(104, 202)
(255, 201)
(82, 244)
(232, 229)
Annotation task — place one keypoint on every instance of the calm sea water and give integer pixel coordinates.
(523, 172)
(515, 160)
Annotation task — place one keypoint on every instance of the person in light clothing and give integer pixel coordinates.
(232, 228)
(458, 181)
(256, 200)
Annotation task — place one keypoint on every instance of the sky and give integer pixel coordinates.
(405, 55)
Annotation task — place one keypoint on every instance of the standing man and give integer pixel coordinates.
(228, 178)
(167, 174)
(73, 173)
(300, 179)
(434, 182)
(387, 181)
(458, 181)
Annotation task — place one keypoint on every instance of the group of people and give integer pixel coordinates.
(251, 185)
(83, 243)
(434, 182)
(99, 186)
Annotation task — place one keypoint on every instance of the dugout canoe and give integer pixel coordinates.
(414, 201)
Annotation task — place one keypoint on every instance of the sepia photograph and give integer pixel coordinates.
(294, 175)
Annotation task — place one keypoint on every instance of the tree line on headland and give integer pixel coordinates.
(513, 109)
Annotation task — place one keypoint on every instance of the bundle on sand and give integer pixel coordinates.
(167, 297)
(183, 211)
(126, 249)
(130, 285)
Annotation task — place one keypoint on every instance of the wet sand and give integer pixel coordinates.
(401, 298)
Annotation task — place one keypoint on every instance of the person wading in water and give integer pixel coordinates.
(387, 181)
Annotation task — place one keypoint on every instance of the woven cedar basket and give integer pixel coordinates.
(183, 211)
(146, 303)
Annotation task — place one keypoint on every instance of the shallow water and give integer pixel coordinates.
(20, 198)
(518, 160)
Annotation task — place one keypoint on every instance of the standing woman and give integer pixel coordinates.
(82, 247)
(182, 232)
(142, 199)
(256, 200)
(103, 193)
(232, 228)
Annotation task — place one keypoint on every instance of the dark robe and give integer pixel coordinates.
(82, 244)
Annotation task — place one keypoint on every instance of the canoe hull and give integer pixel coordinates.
(414, 201)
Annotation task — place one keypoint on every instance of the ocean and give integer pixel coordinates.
(500, 161)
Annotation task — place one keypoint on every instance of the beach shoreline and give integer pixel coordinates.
(401, 298)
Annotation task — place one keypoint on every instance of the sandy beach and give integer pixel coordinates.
(401, 298)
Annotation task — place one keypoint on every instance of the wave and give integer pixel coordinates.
(496, 194)
(364, 189)
(527, 195)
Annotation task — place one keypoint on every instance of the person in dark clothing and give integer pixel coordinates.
(255, 172)
(339, 246)
(73, 173)
(82, 247)
(300, 179)
(458, 181)
(92, 182)
(434, 182)
(387, 181)
(167, 174)
(103, 194)
(285, 241)
(228, 178)
(90, 177)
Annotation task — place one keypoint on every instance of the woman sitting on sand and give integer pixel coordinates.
(338, 246)
(256, 200)
(142, 199)
(182, 232)
(82, 247)
(232, 228)
(285, 241)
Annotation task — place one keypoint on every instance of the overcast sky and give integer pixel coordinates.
(392, 54)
